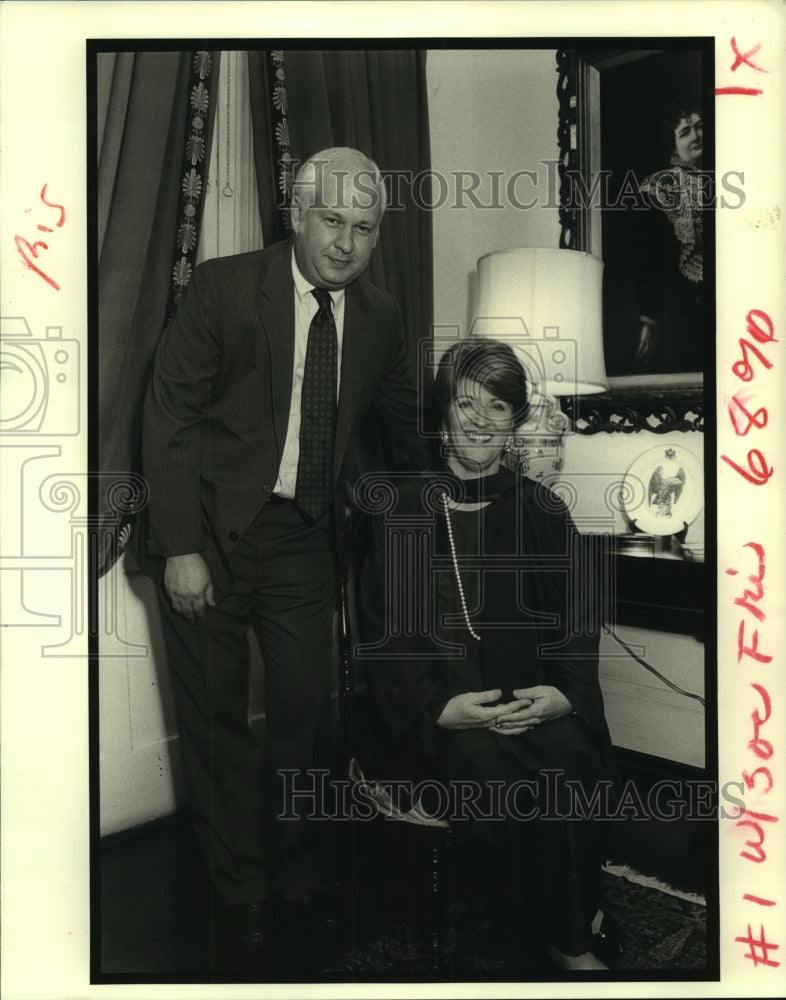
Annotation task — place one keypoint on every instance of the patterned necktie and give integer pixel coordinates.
(314, 490)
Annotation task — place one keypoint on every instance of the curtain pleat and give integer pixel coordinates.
(199, 113)
(231, 221)
(141, 147)
(268, 94)
(115, 73)
(375, 101)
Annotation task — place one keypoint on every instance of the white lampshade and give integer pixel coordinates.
(547, 304)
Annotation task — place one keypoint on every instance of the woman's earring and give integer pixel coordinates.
(443, 436)
(508, 443)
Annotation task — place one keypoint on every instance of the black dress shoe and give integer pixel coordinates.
(319, 910)
(248, 924)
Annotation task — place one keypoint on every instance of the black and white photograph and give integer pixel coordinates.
(389, 440)
(398, 688)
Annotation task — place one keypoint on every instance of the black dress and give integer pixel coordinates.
(516, 556)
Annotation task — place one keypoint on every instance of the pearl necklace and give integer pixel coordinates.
(462, 597)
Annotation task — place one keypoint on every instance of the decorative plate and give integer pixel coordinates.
(663, 490)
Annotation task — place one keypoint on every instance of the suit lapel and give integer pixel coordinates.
(277, 316)
(359, 345)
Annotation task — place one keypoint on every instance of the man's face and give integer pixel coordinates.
(334, 233)
(688, 139)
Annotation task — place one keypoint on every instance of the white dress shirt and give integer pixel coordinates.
(306, 307)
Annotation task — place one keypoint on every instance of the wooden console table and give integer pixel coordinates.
(661, 591)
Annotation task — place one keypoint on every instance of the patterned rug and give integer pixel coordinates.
(663, 933)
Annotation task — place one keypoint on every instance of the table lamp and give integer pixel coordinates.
(547, 304)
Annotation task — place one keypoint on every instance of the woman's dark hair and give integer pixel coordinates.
(490, 363)
(678, 109)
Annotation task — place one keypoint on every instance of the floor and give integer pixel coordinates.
(155, 920)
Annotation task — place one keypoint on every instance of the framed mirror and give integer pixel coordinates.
(637, 190)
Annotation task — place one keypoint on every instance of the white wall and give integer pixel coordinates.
(139, 755)
(643, 713)
(138, 759)
(489, 111)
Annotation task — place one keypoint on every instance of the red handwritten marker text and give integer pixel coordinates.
(743, 59)
(760, 779)
(760, 330)
(29, 252)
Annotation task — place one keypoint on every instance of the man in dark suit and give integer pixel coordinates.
(272, 360)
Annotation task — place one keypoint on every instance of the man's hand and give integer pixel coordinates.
(188, 585)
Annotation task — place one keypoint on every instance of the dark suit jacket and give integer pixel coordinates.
(217, 408)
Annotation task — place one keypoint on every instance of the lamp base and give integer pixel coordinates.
(536, 449)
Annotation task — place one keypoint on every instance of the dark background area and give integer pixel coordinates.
(634, 98)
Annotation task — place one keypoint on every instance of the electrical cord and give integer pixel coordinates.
(652, 670)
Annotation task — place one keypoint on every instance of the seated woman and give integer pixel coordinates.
(480, 675)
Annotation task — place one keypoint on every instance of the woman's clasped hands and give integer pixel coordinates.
(483, 710)
(533, 705)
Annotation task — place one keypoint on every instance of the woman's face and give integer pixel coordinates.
(478, 423)
(688, 138)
